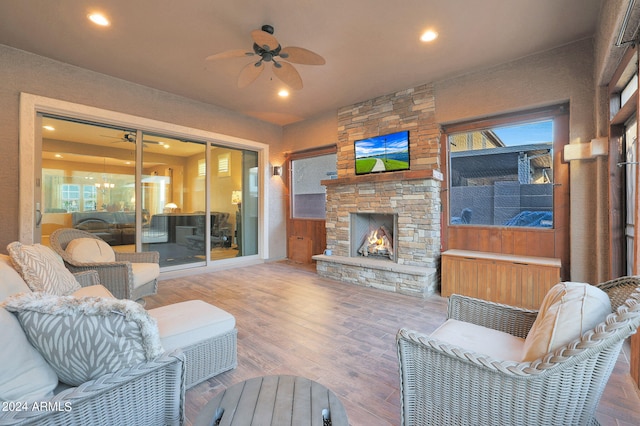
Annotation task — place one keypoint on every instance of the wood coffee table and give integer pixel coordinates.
(276, 401)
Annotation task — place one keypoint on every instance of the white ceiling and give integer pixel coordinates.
(371, 47)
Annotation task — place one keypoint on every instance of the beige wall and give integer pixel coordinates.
(25, 72)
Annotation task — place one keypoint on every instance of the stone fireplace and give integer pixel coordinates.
(405, 203)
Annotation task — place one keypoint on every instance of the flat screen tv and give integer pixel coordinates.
(386, 153)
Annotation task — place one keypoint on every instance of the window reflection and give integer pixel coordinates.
(89, 183)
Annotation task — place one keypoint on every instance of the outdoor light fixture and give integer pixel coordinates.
(277, 170)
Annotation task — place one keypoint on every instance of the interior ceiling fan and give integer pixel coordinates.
(266, 46)
(130, 137)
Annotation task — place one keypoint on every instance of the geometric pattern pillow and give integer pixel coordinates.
(42, 269)
(88, 337)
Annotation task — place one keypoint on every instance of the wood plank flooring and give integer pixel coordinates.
(291, 321)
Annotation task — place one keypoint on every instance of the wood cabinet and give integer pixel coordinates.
(510, 279)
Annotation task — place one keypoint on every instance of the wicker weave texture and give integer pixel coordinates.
(446, 384)
(116, 276)
(211, 357)
(151, 393)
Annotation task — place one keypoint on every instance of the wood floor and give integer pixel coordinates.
(291, 321)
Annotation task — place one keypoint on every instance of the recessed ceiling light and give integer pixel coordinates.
(283, 93)
(99, 19)
(58, 155)
(429, 35)
(49, 128)
(166, 146)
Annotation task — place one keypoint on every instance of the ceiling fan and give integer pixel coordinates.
(130, 137)
(267, 47)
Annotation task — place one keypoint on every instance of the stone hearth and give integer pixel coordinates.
(415, 203)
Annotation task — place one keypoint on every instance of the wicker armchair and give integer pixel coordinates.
(446, 384)
(117, 276)
(151, 393)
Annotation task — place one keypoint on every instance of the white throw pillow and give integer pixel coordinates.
(85, 338)
(42, 269)
(10, 280)
(90, 250)
(568, 310)
(24, 374)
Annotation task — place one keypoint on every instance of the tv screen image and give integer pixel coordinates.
(385, 153)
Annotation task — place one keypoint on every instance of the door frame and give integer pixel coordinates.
(29, 178)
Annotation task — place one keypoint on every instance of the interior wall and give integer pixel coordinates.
(26, 72)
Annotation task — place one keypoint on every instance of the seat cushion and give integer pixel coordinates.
(88, 337)
(186, 323)
(42, 269)
(24, 376)
(568, 310)
(476, 338)
(90, 250)
(10, 280)
(144, 272)
(93, 291)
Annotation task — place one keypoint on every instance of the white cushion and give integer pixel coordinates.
(85, 338)
(24, 374)
(97, 290)
(568, 310)
(144, 272)
(186, 323)
(10, 280)
(90, 250)
(476, 338)
(42, 269)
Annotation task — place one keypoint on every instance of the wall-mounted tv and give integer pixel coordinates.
(386, 153)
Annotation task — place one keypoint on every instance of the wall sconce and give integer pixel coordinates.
(277, 170)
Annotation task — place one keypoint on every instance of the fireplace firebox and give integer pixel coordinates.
(374, 235)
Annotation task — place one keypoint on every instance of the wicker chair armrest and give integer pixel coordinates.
(87, 278)
(509, 319)
(160, 384)
(117, 277)
(139, 257)
(619, 289)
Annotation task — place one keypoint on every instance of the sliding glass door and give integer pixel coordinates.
(193, 201)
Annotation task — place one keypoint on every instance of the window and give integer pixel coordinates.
(70, 196)
(308, 195)
(502, 175)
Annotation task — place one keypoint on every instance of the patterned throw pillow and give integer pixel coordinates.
(88, 337)
(42, 269)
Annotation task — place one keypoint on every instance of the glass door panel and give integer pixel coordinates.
(88, 177)
(173, 199)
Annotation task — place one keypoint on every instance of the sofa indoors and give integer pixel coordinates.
(116, 228)
(80, 356)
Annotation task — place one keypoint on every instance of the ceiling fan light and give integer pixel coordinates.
(428, 36)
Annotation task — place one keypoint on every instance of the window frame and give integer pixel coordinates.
(539, 242)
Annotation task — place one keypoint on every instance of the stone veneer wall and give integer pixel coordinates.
(413, 195)
(411, 109)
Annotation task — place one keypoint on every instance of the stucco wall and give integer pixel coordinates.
(25, 72)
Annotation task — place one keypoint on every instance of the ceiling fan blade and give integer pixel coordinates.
(300, 55)
(288, 74)
(249, 73)
(264, 39)
(237, 53)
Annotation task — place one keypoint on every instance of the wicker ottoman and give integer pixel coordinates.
(206, 334)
